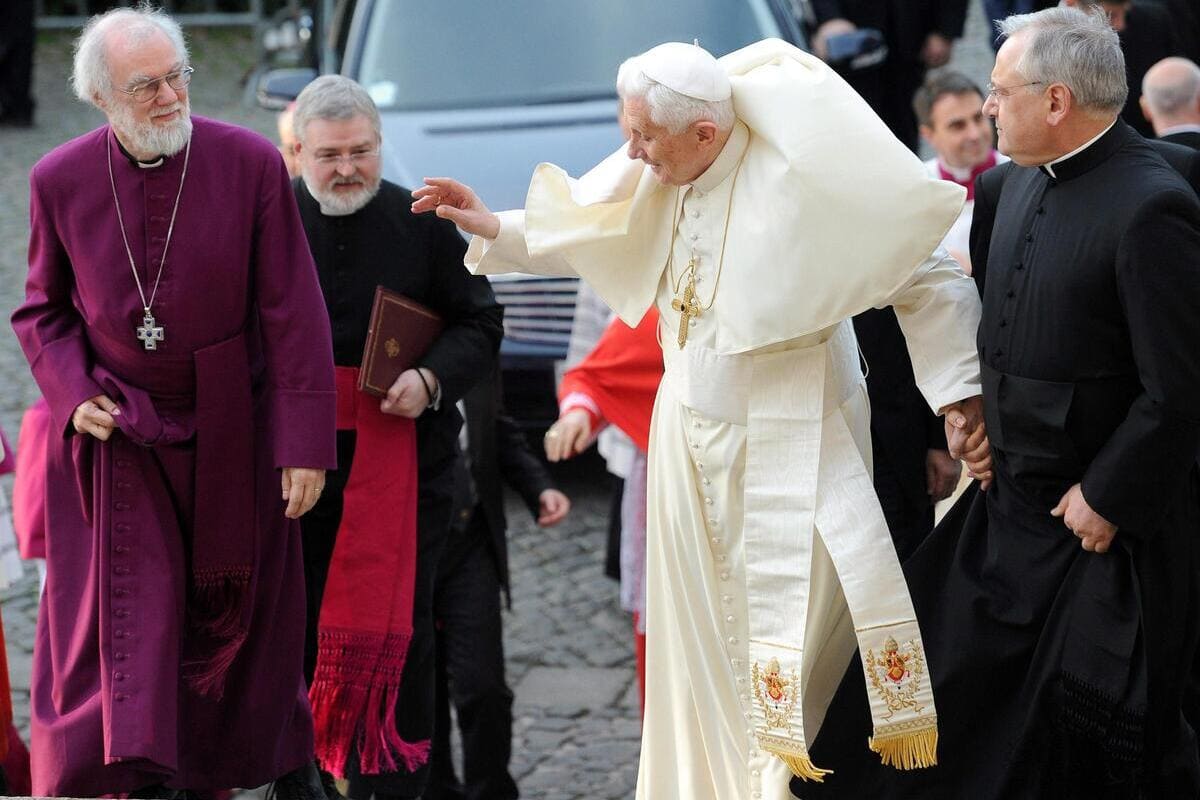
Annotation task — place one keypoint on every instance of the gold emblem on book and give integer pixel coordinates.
(897, 675)
(775, 694)
(392, 348)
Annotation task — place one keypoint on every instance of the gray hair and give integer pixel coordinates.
(333, 97)
(1167, 99)
(1075, 48)
(91, 77)
(669, 108)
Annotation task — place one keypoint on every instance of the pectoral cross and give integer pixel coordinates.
(150, 334)
(687, 306)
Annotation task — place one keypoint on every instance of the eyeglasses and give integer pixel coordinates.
(1004, 91)
(146, 91)
(354, 159)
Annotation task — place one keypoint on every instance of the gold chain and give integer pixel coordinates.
(691, 267)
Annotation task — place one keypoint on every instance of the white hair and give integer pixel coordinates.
(333, 97)
(92, 77)
(1078, 49)
(1169, 98)
(669, 108)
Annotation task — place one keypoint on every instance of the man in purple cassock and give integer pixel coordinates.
(174, 323)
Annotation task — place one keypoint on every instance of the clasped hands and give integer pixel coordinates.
(966, 438)
(301, 486)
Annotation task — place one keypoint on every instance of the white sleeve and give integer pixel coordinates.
(508, 253)
(939, 313)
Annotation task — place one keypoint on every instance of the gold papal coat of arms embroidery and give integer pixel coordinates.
(896, 675)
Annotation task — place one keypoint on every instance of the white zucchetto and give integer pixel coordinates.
(687, 69)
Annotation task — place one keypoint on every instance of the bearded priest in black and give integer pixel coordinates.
(1059, 604)
(372, 542)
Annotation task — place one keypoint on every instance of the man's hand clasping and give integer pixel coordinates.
(966, 438)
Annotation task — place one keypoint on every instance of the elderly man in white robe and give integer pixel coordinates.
(759, 204)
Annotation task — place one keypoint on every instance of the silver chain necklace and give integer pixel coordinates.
(150, 333)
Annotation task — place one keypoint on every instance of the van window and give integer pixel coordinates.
(477, 53)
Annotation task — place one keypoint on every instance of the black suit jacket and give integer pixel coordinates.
(1180, 158)
(1186, 138)
(500, 454)
(419, 256)
(1088, 329)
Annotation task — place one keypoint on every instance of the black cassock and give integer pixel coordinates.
(419, 256)
(1059, 673)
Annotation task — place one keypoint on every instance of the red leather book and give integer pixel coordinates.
(399, 333)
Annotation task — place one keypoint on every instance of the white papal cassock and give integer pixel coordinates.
(760, 503)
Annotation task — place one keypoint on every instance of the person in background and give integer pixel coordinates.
(919, 35)
(372, 544)
(614, 386)
(287, 139)
(949, 107)
(1171, 101)
(472, 574)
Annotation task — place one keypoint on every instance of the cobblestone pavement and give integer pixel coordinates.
(568, 644)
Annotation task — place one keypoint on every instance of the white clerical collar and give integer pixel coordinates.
(1050, 167)
(726, 160)
(1185, 128)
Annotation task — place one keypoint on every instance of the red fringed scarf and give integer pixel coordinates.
(366, 617)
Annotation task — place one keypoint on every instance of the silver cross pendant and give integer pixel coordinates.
(150, 334)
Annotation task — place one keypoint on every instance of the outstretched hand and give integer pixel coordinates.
(456, 202)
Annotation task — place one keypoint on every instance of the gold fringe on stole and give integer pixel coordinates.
(907, 751)
(801, 765)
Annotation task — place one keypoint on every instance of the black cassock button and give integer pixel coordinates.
(1020, 266)
(1041, 210)
(1011, 293)
(999, 353)
(1003, 323)
(1029, 237)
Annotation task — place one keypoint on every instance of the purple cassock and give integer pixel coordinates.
(170, 638)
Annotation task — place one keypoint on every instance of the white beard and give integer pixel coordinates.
(341, 204)
(147, 137)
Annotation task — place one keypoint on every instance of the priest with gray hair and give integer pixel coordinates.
(736, 208)
(174, 324)
(1061, 610)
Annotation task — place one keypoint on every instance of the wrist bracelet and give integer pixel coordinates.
(424, 383)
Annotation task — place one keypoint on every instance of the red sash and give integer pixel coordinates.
(365, 624)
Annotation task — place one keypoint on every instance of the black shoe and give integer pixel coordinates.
(155, 791)
(303, 783)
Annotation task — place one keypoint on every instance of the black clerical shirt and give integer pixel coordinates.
(419, 256)
(1091, 315)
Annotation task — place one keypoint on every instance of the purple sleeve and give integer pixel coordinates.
(295, 328)
(47, 324)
